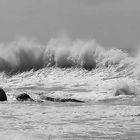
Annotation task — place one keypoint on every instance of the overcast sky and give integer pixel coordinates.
(110, 22)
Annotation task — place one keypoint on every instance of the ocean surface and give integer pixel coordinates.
(108, 81)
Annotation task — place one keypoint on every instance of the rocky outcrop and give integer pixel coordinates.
(3, 96)
(61, 100)
(24, 97)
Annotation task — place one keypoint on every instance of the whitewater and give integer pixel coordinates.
(106, 80)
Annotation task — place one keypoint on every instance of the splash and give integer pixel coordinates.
(137, 65)
(124, 88)
(23, 55)
(20, 55)
(63, 54)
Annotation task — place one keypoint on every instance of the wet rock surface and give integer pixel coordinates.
(3, 96)
(60, 100)
(24, 97)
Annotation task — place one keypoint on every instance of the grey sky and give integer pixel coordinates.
(110, 22)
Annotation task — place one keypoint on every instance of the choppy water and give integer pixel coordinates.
(102, 116)
(69, 121)
(62, 71)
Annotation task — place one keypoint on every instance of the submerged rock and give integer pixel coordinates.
(3, 96)
(24, 97)
(61, 100)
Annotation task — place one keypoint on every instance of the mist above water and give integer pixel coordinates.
(20, 55)
(23, 55)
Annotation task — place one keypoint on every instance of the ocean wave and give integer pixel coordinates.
(23, 55)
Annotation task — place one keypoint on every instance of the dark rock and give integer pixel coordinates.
(61, 100)
(71, 100)
(24, 97)
(3, 96)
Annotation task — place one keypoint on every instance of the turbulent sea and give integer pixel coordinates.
(107, 80)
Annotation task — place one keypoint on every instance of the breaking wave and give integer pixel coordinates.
(23, 55)
(63, 68)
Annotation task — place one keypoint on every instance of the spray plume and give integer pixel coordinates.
(23, 55)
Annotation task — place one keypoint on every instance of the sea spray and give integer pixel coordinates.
(137, 65)
(23, 55)
(73, 54)
(113, 57)
(125, 88)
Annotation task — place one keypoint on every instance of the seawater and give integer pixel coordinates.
(76, 69)
(102, 116)
(68, 121)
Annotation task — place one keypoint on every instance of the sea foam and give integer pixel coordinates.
(23, 55)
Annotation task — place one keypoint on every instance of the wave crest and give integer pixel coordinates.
(23, 55)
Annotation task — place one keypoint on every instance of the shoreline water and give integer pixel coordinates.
(68, 121)
(110, 93)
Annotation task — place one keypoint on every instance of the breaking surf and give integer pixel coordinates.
(87, 91)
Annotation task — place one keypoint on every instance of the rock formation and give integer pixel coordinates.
(3, 96)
